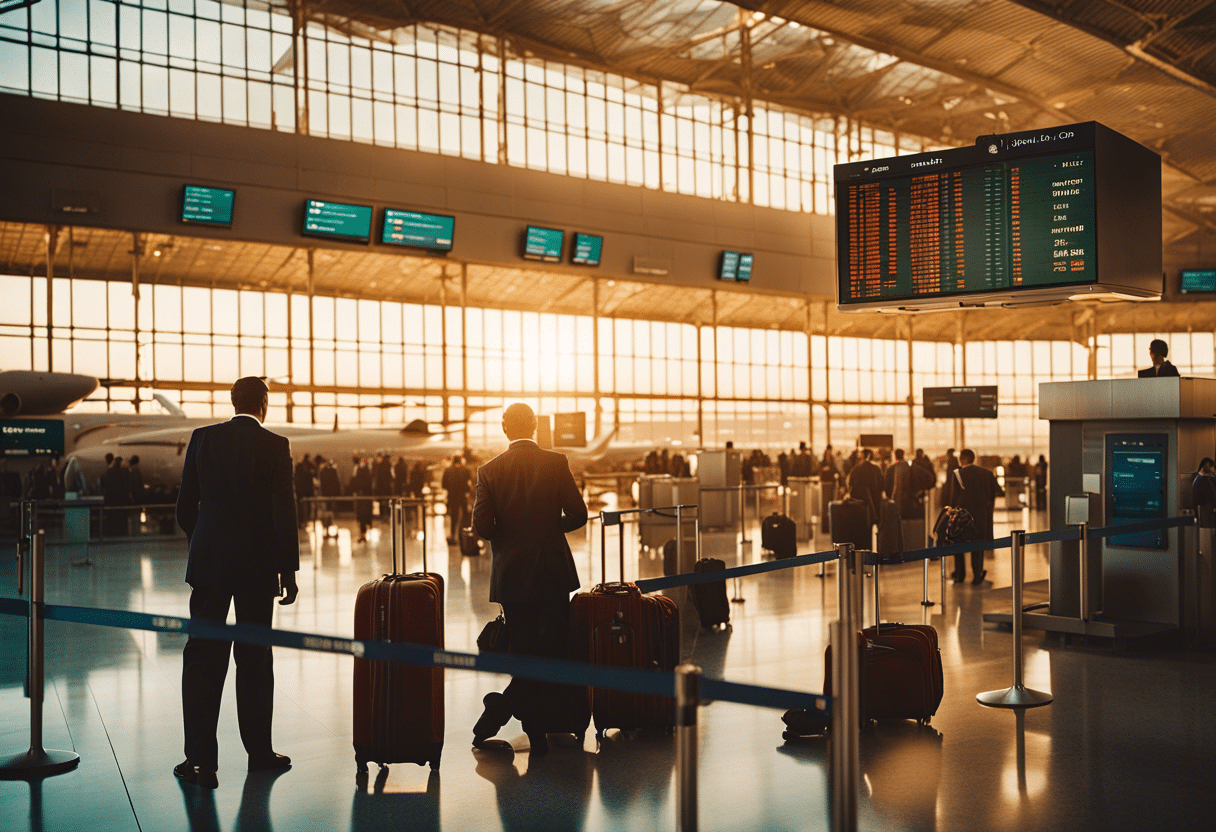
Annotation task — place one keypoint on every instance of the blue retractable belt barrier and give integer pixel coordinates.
(632, 680)
(655, 584)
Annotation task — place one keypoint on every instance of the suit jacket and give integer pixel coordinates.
(977, 494)
(526, 502)
(237, 506)
(899, 487)
(1167, 369)
(865, 483)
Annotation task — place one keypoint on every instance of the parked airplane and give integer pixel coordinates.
(160, 440)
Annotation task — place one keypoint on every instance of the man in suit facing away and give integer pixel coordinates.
(526, 502)
(976, 490)
(237, 507)
(1161, 368)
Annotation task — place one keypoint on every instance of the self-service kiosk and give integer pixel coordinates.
(1133, 446)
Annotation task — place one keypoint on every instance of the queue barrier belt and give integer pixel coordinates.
(631, 680)
(871, 558)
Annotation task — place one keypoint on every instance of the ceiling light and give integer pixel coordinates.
(757, 16)
(778, 20)
(794, 24)
(1059, 105)
(156, 253)
(828, 42)
(990, 115)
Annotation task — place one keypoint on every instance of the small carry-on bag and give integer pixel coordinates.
(890, 530)
(709, 599)
(615, 624)
(779, 535)
(398, 708)
(470, 543)
(851, 523)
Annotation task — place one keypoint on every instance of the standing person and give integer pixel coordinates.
(115, 491)
(865, 484)
(1040, 483)
(401, 478)
(527, 501)
(1203, 493)
(361, 485)
(456, 481)
(900, 489)
(238, 510)
(304, 488)
(949, 486)
(1157, 351)
(418, 478)
(382, 474)
(976, 490)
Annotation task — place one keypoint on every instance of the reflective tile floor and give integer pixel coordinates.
(1128, 744)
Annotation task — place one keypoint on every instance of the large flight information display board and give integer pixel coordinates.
(1013, 213)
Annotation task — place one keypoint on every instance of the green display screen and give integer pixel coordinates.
(735, 265)
(338, 220)
(413, 228)
(207, 206)
(31, 437)
(587, 250)
(543, 244)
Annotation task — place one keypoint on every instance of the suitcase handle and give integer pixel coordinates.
(604, 547)
(396, 514)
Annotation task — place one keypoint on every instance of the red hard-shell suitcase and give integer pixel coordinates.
(398, 708)
(901, 673)
(615, 624)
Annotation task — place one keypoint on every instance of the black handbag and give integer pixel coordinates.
(493, 638)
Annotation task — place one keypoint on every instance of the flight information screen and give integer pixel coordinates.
(31, 437)
(977, 228)
(543, 244)
(587, 249)
(416, 229)
(1198, 280)
(960, 402)
(207, 206)
(338, 220)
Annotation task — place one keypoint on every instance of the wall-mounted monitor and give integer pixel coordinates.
(735, 265)
(203, 205)
(960, 402)
(338, 221)
(31, 437)
(1041, 215)
(1198, 280)
(1135, 486)
(586, 249)
(543, 244)
(432, 232)
(570, 430)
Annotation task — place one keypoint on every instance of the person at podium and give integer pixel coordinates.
(1158, 350)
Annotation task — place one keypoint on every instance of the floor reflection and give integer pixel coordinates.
(552, 794)
(376, 809)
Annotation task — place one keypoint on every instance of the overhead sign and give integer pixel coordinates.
(338, 220)
(960, 402)
(416, 229)
(31, 437)
(207, 206)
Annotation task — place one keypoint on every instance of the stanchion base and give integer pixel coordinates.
(928, 603)
(31, 765)
(738, 600)
(1017, 696)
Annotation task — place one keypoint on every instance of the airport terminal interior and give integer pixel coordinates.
(723, 249)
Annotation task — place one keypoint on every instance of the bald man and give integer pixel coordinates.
(526, 502)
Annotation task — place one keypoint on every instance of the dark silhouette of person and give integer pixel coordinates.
(382, 474)
(865, 484)
(975, 489)
(1203, 493)
(1040, 483)
(115, 491)
(456, 481)
(1157, 351)
(401, 478)
(304, 488)
(951, 483)
(237, 507)
(418, 478)
(361, 485)
(526, 502)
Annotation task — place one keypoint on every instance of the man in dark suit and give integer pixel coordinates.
(865, 484)
(526, 502)
(237, 507)
(1157, 351)
(456, 480)
(975, 489)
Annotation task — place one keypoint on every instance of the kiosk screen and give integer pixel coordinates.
(1135, 486)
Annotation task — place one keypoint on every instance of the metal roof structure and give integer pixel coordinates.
(946, 70)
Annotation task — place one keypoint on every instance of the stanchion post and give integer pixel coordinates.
(679, 538)
(1083, 549)
(37, 762)
(877, 607)
(1017, 696)
(925, 602)
(688, 701)
(846, 700)
(742, 517)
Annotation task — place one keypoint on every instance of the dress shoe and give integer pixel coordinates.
(190, 773)
(496, 714)
(269, 762)
(957, 578)
(979, 579)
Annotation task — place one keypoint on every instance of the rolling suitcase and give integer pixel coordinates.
(709, 599)
(671, 558)
(615, 624)
(779, 535)
(890, 534)
(901, 673)
(850, 522)
(398, 708)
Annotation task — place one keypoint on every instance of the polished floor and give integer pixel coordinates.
(1128, 744)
